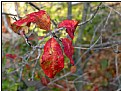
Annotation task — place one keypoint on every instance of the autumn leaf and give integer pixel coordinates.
(52, 60)
(40, 18)
(28, 67)
(12, 56)
(70, 26)
(96, 88)
(44, 81)
(68, 49)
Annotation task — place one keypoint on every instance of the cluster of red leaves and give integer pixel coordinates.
(52, 60)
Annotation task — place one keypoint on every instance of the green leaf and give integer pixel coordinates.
(104, 64)
(14, 87)
(32, 88)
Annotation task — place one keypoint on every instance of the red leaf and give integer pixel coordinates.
(44, 81)
(12, 56)
(41, 18)
(96, 88)
(70, 26)
(52, 60)
(27, 66)
(68, 49)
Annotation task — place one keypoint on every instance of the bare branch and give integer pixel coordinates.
(4, 13)
(50, 33)
(69, 16)
(17, 11)
(112, 9)
(108, 18)
(78, 61)
(35, 65)
(116, 65)
(103, 45)
(33, 5)
(7, 26)
(82, 23)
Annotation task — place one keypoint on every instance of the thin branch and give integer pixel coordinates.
(108, 18)
(84, 48)
(7, 26)
(20, 74)
(4, 13)
(102, 30)
(84, 18)
(81, 81)
(35, 65)
(119, 89)
(33, 5)
(66, 79)
(57, 79)
(50, 33)
(96, 29)
(54, 23)
(26, 40)
(116, 65)
(91, 17)
(87, 51)
(84, 74)
(107, 44)
(69, 16)
(16, 8)
(112, 9)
